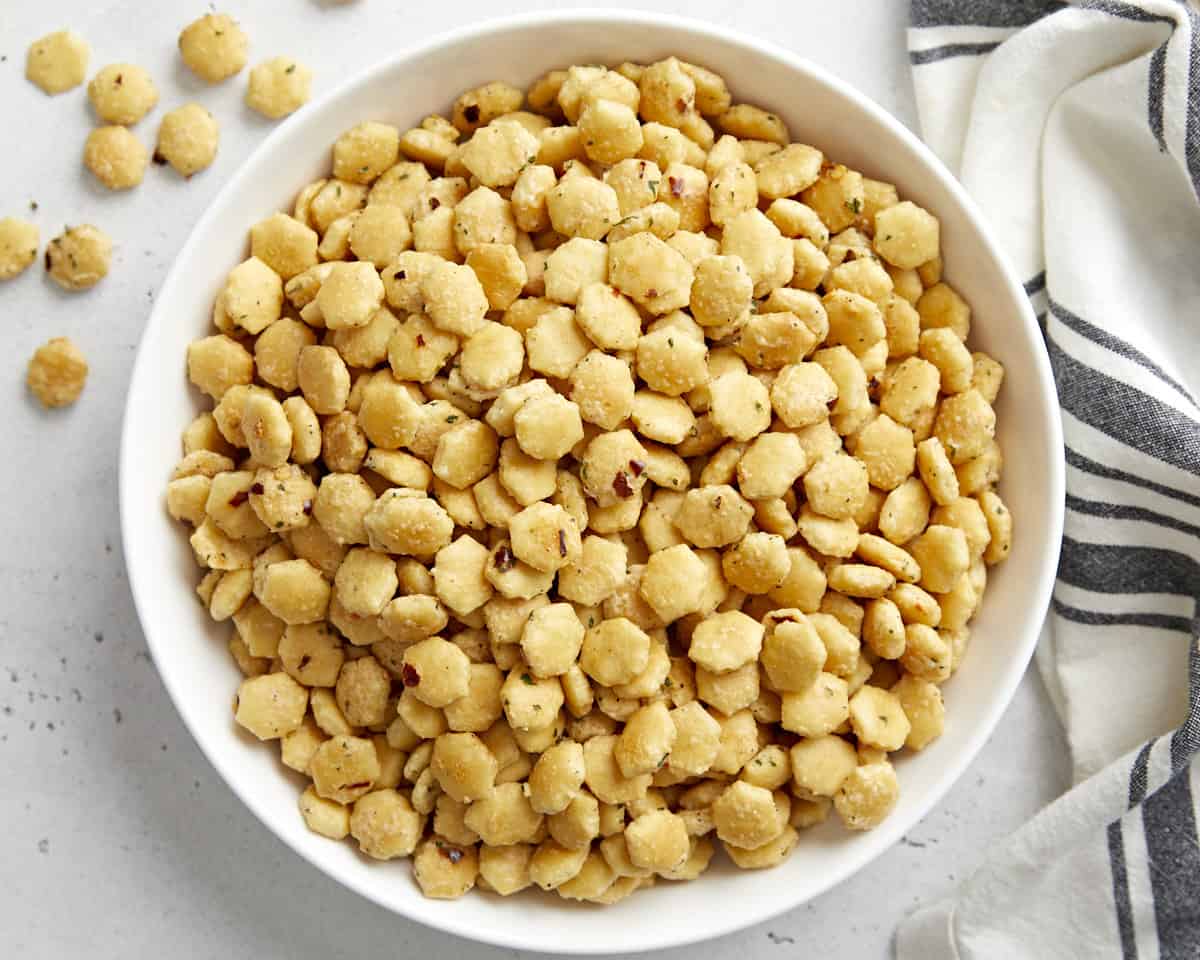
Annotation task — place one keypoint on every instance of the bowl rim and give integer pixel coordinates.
(749, 913)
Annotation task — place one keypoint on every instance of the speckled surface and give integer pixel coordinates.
(119, 840)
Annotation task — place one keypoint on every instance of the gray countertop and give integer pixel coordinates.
(119, 839)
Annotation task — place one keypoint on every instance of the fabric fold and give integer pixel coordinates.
(1076, 127)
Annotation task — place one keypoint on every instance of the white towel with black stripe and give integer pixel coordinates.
(1076, 127)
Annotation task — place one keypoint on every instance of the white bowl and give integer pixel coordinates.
(819, 109)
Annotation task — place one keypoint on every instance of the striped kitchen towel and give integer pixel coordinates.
(1076, 127)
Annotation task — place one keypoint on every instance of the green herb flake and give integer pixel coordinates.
(527, 679)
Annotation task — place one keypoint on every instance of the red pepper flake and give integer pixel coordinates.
(676, 186)
(409, 675)
(681, 105)
(717, 500)
(420, 340)
(239, 498)
(256, 489)
(434, 203)
(652, 293)
(503, 558)
(831, 402)
(401, 275)
(637, 466)
(471, 113)
(562, 543)
(621, 485)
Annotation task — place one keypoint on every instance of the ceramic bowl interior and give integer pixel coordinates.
(190, 650)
